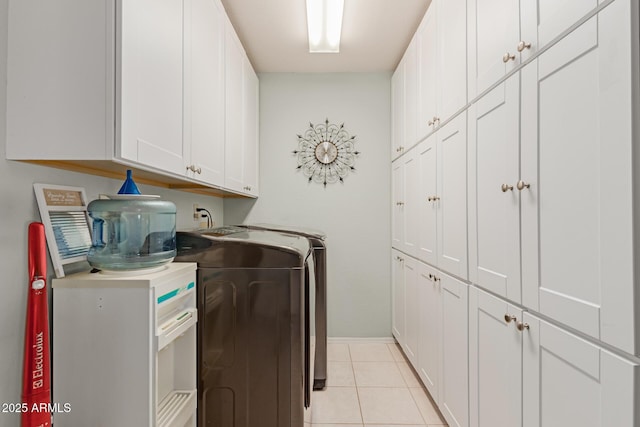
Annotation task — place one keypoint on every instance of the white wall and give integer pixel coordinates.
(18, 208)
(355, 215)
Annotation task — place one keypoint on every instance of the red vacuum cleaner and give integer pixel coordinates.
(36, 378)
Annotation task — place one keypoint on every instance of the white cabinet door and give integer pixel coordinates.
(577, 208)
(495, 362)
(397, 207)
(234, 109)
(427, 71)
(411, 207)
(204, 91)
(452, 194)
(412, 309)
(429, 329)
(494, 200)
(397, 296)
(571, 382)
(454, 387)
(250, 129)
(150, 85)
(493, 34)
(452, 57)
(410, 95)
(426, 200)
(397, 111)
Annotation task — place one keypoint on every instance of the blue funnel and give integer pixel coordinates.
(129, 187)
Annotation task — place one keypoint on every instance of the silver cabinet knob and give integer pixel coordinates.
(431, 122)
(194, 169)
(522, 326)
(522, 185)
(508, 57)
(433, 199)
(509, 317)
(248, 188)
(399, 203)
(506, 187)
(523, 45)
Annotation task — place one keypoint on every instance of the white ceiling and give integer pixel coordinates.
(375, 34)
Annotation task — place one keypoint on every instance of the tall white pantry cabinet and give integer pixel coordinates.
(542, 321)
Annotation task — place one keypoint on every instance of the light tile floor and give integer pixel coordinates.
(371, 385)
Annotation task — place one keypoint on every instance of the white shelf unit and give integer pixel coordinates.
(124, 347)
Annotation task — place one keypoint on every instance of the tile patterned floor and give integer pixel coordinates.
(371, 385)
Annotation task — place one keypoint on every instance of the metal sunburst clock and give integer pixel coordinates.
(326, 153)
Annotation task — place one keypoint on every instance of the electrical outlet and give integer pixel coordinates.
(196, 214)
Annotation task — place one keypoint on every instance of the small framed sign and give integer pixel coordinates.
(64, 214)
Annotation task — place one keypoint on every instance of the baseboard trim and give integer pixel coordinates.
(383, 340)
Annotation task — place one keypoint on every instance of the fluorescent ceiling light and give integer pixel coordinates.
(324, 21)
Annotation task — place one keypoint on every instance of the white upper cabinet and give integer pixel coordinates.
(494, 199)
(442, 74)
(241, 85)
(504, 33)
(137, 84)
(397, 111)
(251, 129)
(204, 91)
(427, 44)
(577, 180)
(410, 95)
(452, 57)
(150, 81)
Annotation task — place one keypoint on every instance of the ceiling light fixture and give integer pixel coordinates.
(324, 22)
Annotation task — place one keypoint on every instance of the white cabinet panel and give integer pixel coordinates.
(569, 381)
(442, 58)
(397, 110)
(204, 91)
(410, 95)
(452, 193)
(577, 161)
(411, 307)
(150, 84)
(494, 31)
(494, 200)
(495, 362)
(503, 34)
(397, 296)
(411, 176)
(454, 387)
(426, 200)
(427, 45)
(251, 130)
(234, 105)
(429, 330)
(452, 56)
(397, 207)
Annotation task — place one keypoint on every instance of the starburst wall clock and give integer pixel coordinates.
(326, 153)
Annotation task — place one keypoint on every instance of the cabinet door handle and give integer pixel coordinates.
(506, 187)
(508, 57)
(199, 170)
(522, 185)
(522, 326)
(509, 317)
(399, 203)
(523, 45)
(431, 122)
(247, 188)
